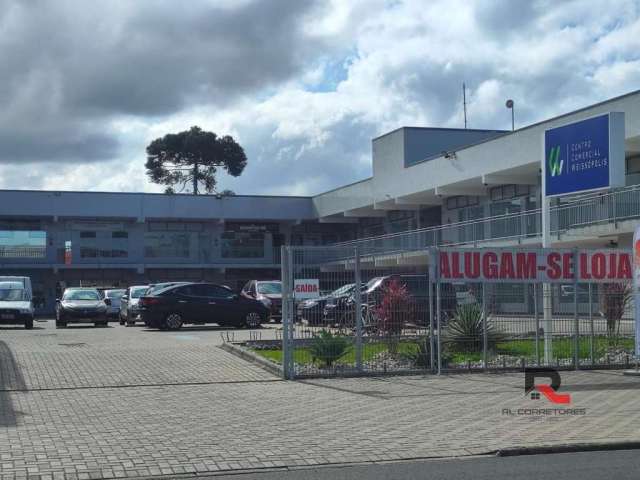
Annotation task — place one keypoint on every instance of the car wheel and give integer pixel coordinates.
(122, 320)
(131, 323)
(173, 321)
(28, 323)
(252, 320)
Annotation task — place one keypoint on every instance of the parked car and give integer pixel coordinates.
(113, 298)
(312, 310)
(200, 303)
(16, 305)
(269, 293)
(81, 305)
(129, 303)
(371, 297)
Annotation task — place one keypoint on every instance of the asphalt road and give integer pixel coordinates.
(621, 465)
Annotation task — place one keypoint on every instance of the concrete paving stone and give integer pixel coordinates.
(131, 402)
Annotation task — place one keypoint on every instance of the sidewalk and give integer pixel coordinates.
(106, 432)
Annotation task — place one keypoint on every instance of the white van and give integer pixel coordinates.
(16, 301)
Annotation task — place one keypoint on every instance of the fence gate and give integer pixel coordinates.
(347, 312)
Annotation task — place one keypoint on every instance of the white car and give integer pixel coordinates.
(129, 304)
(16, 306)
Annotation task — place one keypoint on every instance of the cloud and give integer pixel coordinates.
(69, 70)
(303, 86)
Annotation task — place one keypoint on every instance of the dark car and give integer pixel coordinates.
(81, 305)
(312, 310)
(200, 303)
(269, 293)
(372, 296)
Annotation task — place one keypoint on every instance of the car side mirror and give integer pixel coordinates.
(57, 300)
(235, 296)
(107, 301)
(124, 297)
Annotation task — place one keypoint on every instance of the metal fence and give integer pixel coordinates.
(391, 313)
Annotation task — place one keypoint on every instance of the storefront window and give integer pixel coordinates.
(23, 244)
(166, 245)
(242, 244)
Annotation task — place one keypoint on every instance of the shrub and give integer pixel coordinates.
(326, 348)
(392, 312)
(464, 332)
(614, 300)
(420, 356)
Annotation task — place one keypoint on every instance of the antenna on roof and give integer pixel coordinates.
(464, 103)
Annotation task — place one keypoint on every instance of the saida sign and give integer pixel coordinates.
(585, 155)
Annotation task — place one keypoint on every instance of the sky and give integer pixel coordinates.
(303, 86)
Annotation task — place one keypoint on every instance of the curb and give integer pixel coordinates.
(245, 354)
(572, 448)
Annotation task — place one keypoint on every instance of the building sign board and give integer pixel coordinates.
(534, 265)
(636, 285)
(585, 155)
(67, 252)
(304, 288)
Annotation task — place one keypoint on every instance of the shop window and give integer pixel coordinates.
(23, 244)
(242, 244)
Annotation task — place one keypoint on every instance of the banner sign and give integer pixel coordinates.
(67, 252)
(636, 285)
(496, 265)
(306, 288)
(585, 155)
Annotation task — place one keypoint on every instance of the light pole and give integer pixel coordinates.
(509, 105)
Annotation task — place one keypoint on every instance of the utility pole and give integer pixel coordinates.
(464, 103)
(510, 105)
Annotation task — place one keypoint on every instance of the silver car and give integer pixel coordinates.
(113, 298)
(129, 310)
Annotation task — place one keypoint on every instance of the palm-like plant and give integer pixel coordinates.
(465, 330)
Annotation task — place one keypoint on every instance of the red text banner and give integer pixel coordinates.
(534, 265)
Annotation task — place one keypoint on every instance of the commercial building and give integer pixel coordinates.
(445, 186)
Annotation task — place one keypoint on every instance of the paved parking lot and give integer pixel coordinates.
(84, 403)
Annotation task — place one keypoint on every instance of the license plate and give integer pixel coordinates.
(7, 316)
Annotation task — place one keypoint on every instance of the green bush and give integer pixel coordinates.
(464, 332)
(326, 348)
(420, 356)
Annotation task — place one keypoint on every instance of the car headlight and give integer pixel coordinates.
(265, 301)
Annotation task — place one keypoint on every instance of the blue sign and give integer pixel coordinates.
(578, 156)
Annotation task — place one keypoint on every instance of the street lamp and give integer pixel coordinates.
(509, 104)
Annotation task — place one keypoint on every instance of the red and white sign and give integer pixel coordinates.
(306, 288)
(548, 265)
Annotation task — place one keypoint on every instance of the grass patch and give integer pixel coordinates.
(524, 348)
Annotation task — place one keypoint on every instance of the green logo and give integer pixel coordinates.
(555, 164)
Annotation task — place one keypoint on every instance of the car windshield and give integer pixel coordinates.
(114, 293)
(373, 283)
(270, 288)
(138, 292)
(342, 290)
(12, 294)
(82, 295)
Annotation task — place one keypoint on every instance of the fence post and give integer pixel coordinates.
(592, 330)
(431, 274)
(537, 318)
(358, 306)
(485, 338)
(284, 275)
(438, 315)
(576, 318)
